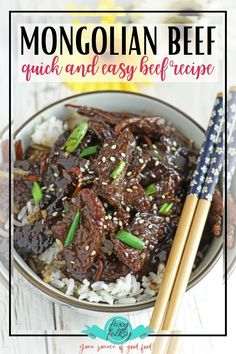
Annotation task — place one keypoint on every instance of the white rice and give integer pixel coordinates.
(48, 131)
(126, 290)
(28, 209)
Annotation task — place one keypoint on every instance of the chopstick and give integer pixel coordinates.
(195, 235)
(187, 215)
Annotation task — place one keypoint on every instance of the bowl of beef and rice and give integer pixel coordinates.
(99, 184)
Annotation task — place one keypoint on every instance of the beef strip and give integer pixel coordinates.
(81, 253)
(22, 191)
(149, 228)
(64, 173)
(135, 197)
(166, 179)
(23, 186)
(30, 166)
(102, 130)
(64, 187)
(99, 114)
(216, 213)
(113, 268)
(109, 156)
(32, 238)
(118, 192)
(61, 227)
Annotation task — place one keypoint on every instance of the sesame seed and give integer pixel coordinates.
(129, 190)
(154, 206)
(55, 213)
(82, 169)
(141, 161)
(106, 217)
(104, 183)
(150, 226)
(43, 188)
(91, 172)
(47, 196)
(105, 205)
(72, 262)
(115, 219)
(112, 158)
(60, 189)
(120, 223)
(105, 226)
(64, 198)
(103, 159)
(129, 173)
(55, 174)
(128, 209)
(123, 154)
(163, 196)
(135, 187)
(141, 221)
(143, 256)
(93, 253)
(167, 219)
(109, 217)
(113, 147)
(156, 163)
(105, 145)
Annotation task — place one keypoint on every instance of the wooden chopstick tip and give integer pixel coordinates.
(220, 94)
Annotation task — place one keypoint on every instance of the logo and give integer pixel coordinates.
(117, 330)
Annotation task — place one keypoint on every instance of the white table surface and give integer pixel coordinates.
(203, 308)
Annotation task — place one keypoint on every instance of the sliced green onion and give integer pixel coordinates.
(37, 193)
(151, 189)
(118, 170)
(130, 239)
(165, 208)
(156, 153)
(73, 229)
(88, 151)
(76, 137)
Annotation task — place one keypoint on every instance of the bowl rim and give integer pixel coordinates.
(64, 299)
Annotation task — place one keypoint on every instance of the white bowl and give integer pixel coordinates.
(126, 102)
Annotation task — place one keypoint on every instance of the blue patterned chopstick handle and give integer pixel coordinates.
(212, 133)
(231, 111)
(213, 173)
